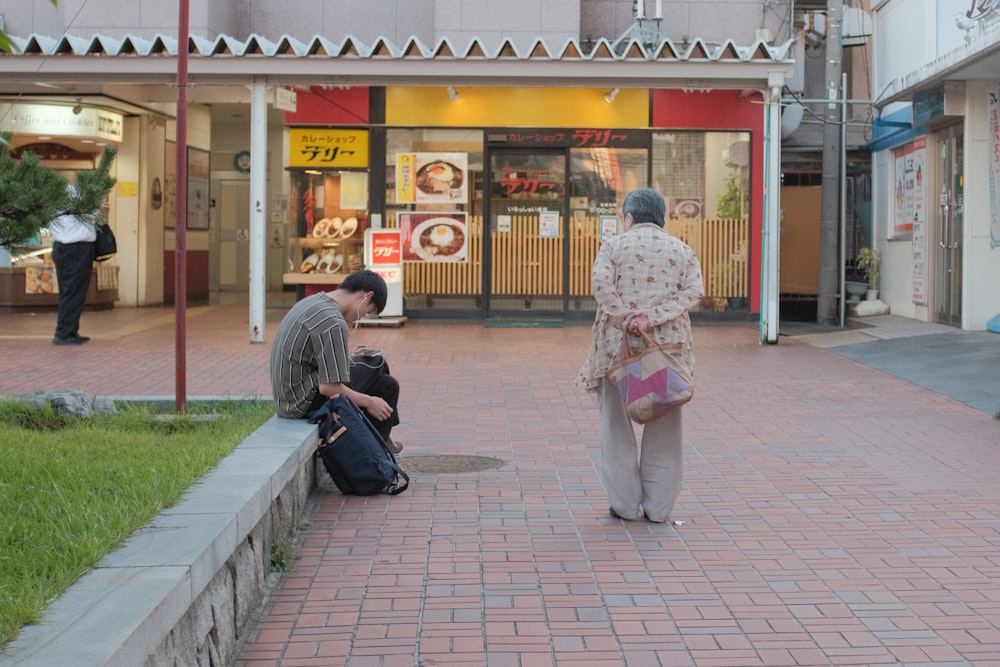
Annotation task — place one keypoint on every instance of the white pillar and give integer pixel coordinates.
(258, 179)
(772, 210)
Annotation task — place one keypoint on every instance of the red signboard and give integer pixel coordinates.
(386, 247)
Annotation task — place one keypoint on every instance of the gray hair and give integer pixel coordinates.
(645, 205)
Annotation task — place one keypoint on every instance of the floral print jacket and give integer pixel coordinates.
(648, 270)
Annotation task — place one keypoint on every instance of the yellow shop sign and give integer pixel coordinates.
(327, 148)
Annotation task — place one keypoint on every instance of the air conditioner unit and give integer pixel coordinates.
(737, 154)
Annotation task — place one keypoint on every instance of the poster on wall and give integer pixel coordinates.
(993, 115)
(197, 189)
(609, 227)
(910, 210)
(910, 171)
(679, 208)
(354, 190)
(432, 178)
(170, 186)
(434, 237)
(548, 224)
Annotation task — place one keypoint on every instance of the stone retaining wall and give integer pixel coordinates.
(183, 590)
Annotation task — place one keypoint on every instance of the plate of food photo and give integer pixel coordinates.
(309, 263)
(686, 209)
(321, 228)
(348, 227)
(329, 263)
(333, 229)
(439, 239)
(439, 178)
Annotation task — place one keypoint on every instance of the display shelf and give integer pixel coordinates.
(323, 242)
(314, 278)
(334, 258)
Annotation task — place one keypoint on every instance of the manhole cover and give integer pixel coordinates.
(448, 463)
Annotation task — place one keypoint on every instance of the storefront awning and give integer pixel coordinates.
(289, 61)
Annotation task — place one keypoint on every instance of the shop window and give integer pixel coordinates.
(705, 178)
(601, 177)
(434, 196)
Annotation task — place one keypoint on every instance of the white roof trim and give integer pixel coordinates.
(226, 60)
(35, 45)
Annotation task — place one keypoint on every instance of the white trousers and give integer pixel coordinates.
(646, 479)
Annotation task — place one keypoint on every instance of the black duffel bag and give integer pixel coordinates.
(353, 452)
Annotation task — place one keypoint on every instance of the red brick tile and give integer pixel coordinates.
(824, 520)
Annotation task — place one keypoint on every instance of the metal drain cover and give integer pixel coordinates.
(448, 463)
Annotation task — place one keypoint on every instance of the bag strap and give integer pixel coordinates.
(646, 338)
(396, 488)
(329, 428)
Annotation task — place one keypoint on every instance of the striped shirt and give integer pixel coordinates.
(310, 349)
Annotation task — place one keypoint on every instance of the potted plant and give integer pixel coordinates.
(732, 203)
(855, 282)
(869, 261)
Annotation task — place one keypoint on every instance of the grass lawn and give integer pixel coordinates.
(72, 490)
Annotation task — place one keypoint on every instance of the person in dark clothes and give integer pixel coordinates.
(73, 254)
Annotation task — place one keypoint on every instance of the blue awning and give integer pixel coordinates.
(894, 129)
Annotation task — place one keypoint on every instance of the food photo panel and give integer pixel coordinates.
(432, 178)
(434, 237)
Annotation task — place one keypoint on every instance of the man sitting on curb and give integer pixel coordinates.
(310, 361)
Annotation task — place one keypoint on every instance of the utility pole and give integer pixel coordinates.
(829, 236)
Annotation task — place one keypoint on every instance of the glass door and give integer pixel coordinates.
(948, 282)
(526, 239)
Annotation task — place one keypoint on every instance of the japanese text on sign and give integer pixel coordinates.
(327, 147)
(386, 247)
(581, 137)
(531, 182)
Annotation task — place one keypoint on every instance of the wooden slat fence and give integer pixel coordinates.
(525, 264)
(584, 242)
(722, 252)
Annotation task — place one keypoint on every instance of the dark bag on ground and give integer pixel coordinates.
(353, 452)
(105, 246)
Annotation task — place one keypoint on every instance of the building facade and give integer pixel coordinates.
(936, 159)
(499, 140)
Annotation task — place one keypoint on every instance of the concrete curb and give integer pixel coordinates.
(182, 590)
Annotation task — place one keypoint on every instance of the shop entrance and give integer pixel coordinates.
(948, 281)
(526, 240)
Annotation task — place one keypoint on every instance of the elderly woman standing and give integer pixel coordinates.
(644, 280)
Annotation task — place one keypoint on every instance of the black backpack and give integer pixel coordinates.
(353, 452)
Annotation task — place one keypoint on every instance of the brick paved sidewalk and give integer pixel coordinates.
(832, 514)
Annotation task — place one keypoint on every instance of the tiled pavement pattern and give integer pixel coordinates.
(833, 514)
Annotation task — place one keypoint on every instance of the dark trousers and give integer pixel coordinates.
(74, 267)
(370, 375)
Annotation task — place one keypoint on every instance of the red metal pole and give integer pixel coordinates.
(180, 229)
